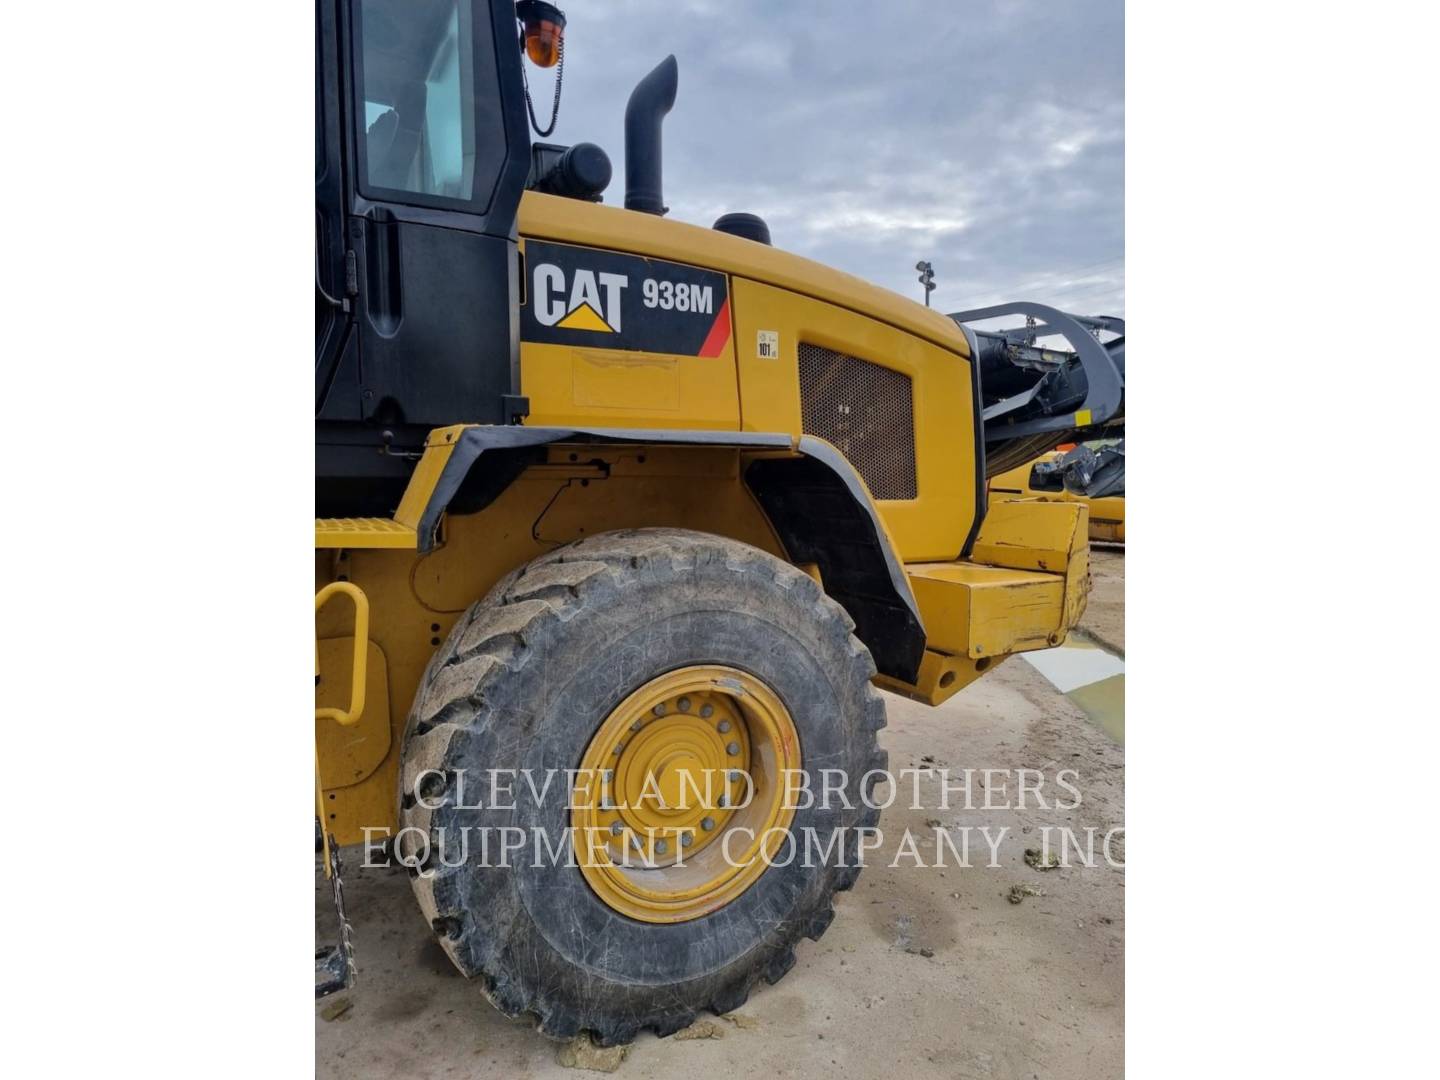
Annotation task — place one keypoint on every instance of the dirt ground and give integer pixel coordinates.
(925, 972)
(1104, 619)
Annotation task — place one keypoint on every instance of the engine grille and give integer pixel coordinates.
(867, 411)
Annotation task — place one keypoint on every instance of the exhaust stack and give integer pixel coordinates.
(652, 98)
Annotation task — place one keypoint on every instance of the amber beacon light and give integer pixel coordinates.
(544, 31)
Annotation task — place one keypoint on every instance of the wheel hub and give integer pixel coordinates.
(680, 764)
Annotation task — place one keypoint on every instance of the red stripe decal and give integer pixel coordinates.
(719, 335)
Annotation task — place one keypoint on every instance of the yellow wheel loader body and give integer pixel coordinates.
(611, 491)
(796, 332)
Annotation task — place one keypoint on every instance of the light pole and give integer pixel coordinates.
(927, 278)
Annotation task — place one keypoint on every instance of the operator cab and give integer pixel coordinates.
(422, 153)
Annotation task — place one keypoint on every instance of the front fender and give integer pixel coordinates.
(812, 496)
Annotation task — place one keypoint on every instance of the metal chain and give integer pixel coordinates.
(347, 945)
(555, 107)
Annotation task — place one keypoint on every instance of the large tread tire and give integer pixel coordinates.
(524, 680)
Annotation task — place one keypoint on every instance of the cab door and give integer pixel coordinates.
(333, 298)
(435, 156)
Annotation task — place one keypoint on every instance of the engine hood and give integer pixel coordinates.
(572, 221)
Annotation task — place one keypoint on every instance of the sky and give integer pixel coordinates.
(987, 136)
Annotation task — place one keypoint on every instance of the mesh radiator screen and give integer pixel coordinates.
(867, 411)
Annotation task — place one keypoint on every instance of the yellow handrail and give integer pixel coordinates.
(362, 641)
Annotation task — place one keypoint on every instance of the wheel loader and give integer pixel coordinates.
(652, 506)
(1093, 474)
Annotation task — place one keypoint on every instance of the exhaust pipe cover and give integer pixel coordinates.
(652, 98)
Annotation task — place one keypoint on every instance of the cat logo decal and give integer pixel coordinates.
(589, 297)
(591, 303)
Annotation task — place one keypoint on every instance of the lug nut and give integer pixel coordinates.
(724, 801)
(723, 726)
(686, 839)
(736, 776)
(637, 725)
(616, 828)
(659, 710)
(732, 748)
(609, 775)
(707, 823)
(684, 704)
(707, 710)
(660, 847)
(619, 746)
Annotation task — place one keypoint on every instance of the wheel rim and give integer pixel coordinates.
(680, 801)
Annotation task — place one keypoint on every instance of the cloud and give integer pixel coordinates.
(986, 135)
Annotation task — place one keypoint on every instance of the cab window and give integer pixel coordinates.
(418, 102)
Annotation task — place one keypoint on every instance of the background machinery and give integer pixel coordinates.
(645, 501)
(1091, 473)
(1036, 397)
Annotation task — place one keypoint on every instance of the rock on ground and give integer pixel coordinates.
(581, 1053)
